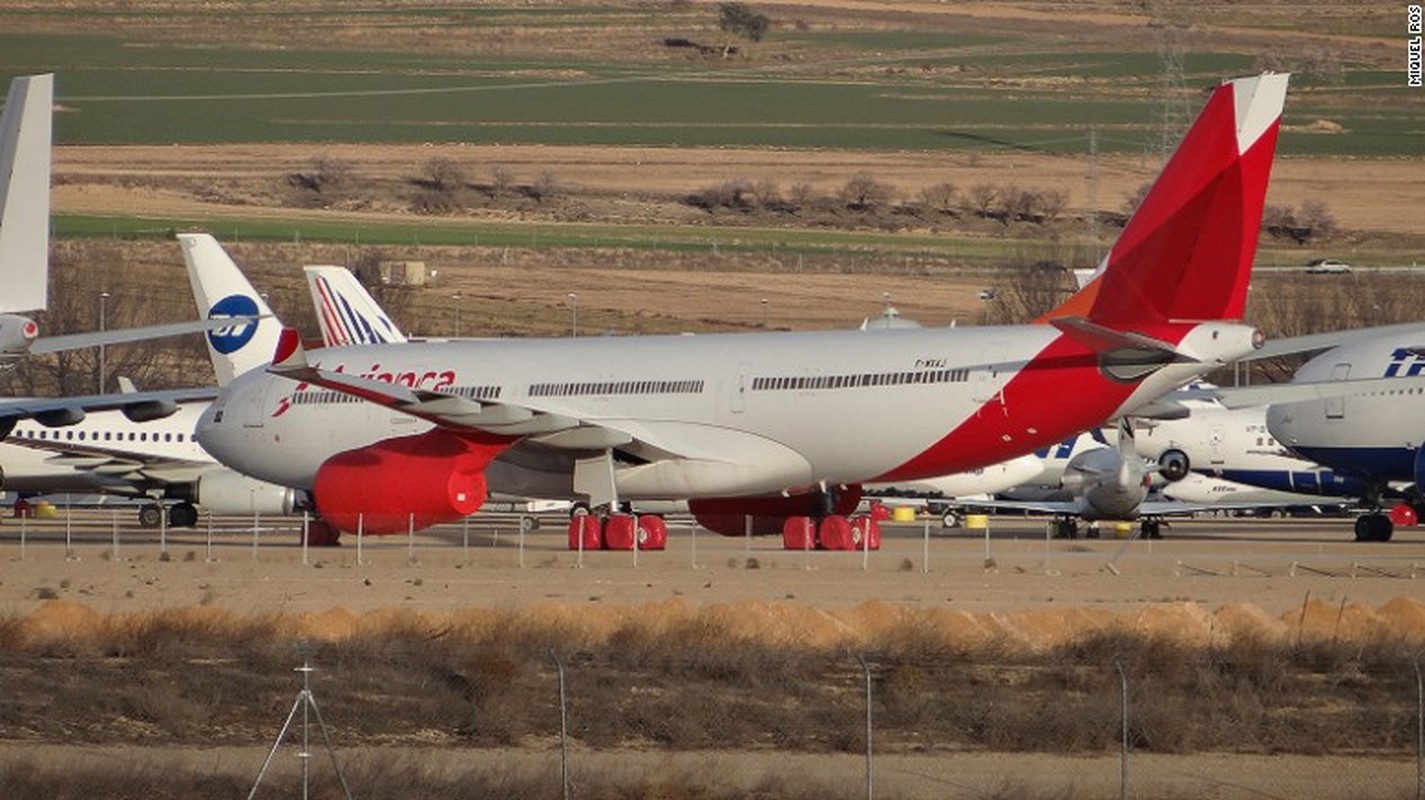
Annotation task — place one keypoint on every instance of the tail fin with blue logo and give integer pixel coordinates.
(348, 313)
(221, 290)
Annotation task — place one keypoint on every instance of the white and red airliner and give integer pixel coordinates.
(770, 426)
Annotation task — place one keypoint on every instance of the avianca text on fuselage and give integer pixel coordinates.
(426, 379)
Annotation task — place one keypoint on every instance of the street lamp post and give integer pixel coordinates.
(103, 298)
(764, 312)
(573, 315)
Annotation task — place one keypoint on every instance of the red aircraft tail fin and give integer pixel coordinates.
(1186, 254)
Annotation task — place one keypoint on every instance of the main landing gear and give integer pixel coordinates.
(616, 531)
(180, 515)
(831, 532)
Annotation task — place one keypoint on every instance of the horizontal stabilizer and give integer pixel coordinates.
(78, 341)
(1265, 394)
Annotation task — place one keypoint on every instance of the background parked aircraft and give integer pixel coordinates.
(1372, 436)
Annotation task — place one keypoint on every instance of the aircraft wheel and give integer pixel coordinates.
(1374, 528)
(950, 519)
(1152, 529)
(183, 515)
(150, 516)
(1065, 529)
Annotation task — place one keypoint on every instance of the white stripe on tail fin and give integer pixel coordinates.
(221, 290)
(24, 193)
(347, 312)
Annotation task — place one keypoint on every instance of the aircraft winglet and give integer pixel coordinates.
(290, 355)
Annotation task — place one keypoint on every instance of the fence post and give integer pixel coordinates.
(563, 725)
(866, 669)
(1123, 756)
(1419, 734)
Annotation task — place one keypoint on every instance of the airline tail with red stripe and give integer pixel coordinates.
(1186, 254)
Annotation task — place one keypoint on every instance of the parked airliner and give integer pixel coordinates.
(769, 425)
(1373, 437)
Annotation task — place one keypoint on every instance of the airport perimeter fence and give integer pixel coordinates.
(669, 714)
(540, 542)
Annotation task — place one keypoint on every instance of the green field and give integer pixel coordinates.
(818, 87)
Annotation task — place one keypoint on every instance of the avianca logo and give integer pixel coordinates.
(430, 379)
(1405, 362)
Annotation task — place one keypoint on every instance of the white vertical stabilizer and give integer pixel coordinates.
(221, 290)
(347, 312)
(24, 195)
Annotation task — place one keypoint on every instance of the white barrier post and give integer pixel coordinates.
(925, 549)
(68, 537)
(114, 530)
(411, 538)
(360, 526)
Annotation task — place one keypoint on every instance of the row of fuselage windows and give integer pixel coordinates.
(584, 389)
(323, 397)
(615, 387)
(69, 435)
(804, 382)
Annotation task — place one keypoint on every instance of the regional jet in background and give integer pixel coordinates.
(1110, 476)
(771, 426)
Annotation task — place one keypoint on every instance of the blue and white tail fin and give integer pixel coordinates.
(24, 193)
(221, 290)
(348, 313)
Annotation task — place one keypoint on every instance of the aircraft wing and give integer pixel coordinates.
(137, 406)
(140, 470)
(720, 452)
(1065, 507)
(1322, 341)
(445, 409)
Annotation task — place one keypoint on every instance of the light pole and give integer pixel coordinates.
(764, 312)
(573, 315)
(103, 298)
(456, 298)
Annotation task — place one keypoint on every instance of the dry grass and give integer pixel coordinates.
(685, 680)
